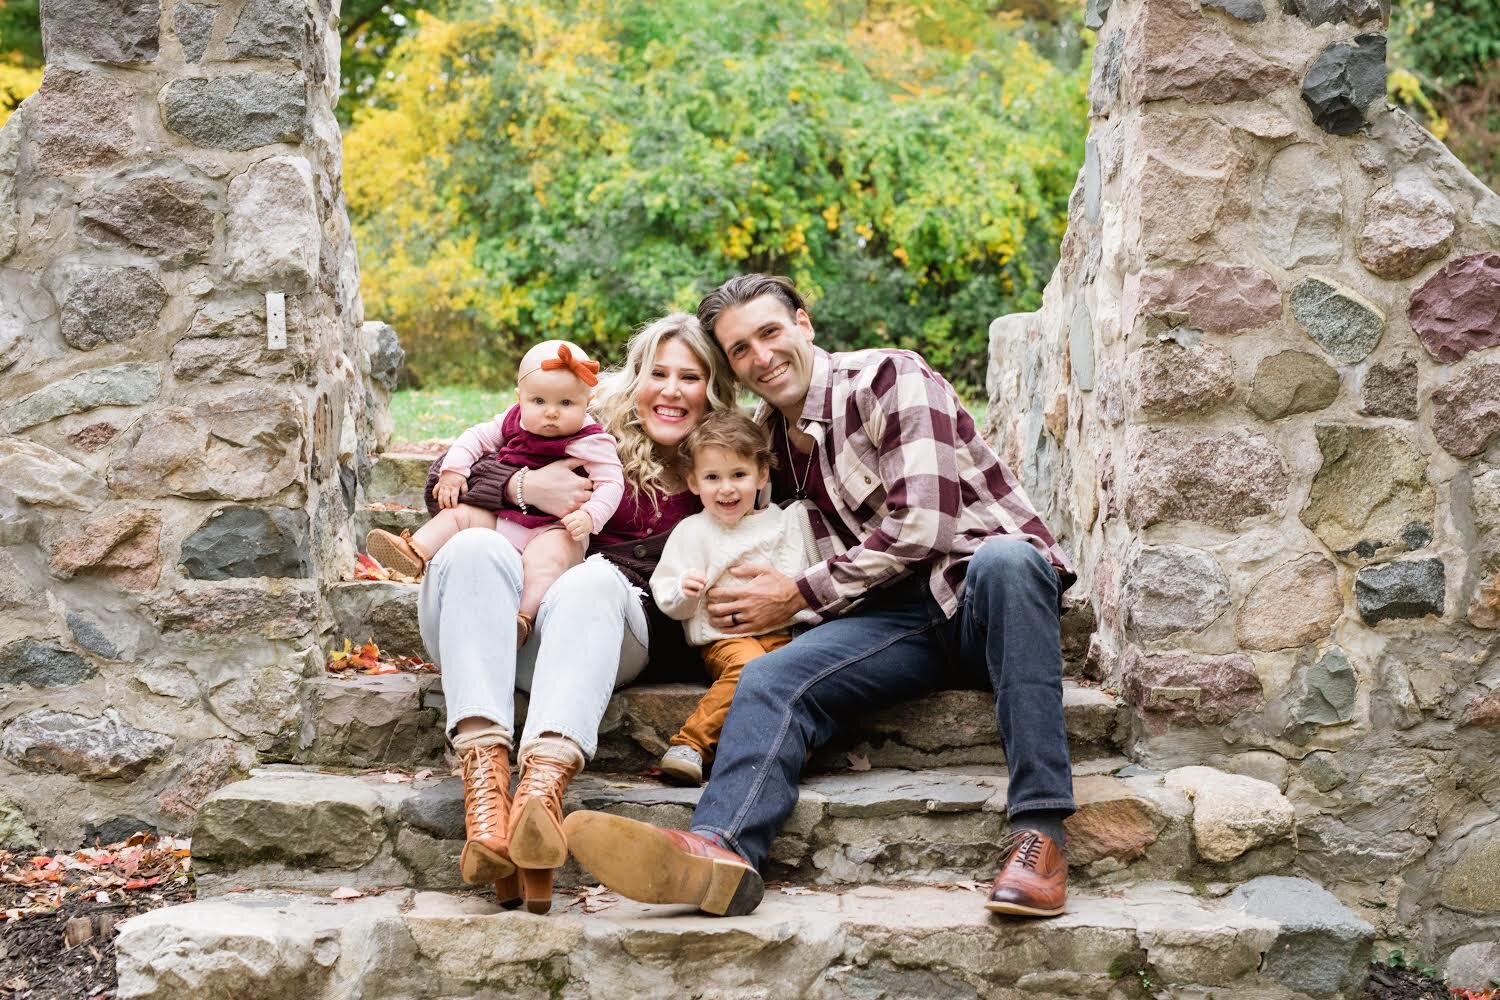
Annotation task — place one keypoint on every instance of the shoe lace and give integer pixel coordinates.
(1025, 848)
(486, 772)
(543, 777)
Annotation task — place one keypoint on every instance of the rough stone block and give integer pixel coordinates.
(1411, 589)
(272, 231)
(242, 447)
(1291, 605)
(1300, 213)
(79, 121)
(1169, 379)
(158, 214)
(93, 748)
(248, 541)
(383, 612)
(274, 612)
(124, 32)
(194, 24)
(1233, 814)
(1457, 310)
(1190, 690)
(1321, 948)
(121, 545)
(1344, 324)
(1172, 588)
(1216, 298)
(1390, 390)
(270, 29)
(309, 821)
(38, 664)
(106, 305)
(1466, 410)
(117, 385)
(42, 478)
(237, 112)
(1174, 52)
(1343, 81)
(1292, 382)
(1219, 479)
(1371, 495)
(1407, 226)
(1316, 12)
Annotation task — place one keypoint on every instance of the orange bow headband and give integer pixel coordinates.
(586, 371)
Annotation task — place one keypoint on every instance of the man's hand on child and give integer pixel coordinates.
(759, 599)
(450, 486)
(693, 583)
(579, 524)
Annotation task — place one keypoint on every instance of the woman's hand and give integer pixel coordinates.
(758, 600)
(450, 486)
(555, 488)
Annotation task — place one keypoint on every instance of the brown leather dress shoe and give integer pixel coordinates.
(486, 773)
(653, 865)
(1033, 881)
(537, 842)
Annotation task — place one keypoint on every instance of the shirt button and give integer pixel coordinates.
(640, 551)
(868, 480)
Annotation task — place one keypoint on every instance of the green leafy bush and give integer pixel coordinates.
(529, 171)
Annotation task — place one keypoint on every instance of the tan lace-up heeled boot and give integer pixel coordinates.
(486, 854)
(537, 843)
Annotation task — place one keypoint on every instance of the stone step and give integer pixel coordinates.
(302, 828)
(1277, 940)
(397, 720)
(392, 518)
(399, 477)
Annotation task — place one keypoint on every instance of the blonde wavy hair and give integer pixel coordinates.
(615, 404)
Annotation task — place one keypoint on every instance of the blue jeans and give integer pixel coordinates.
(895, 647)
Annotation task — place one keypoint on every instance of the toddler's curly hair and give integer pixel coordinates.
(732, 431)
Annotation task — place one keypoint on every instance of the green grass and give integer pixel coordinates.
(445, 412)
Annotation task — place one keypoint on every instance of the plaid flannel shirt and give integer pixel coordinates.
(911, 477)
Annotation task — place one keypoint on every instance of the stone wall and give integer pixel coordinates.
(173, 487)
(1260, 404)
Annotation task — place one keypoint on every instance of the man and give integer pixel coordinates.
(948, 576)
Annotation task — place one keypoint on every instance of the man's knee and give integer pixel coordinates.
(1009, 559)
(761, 681)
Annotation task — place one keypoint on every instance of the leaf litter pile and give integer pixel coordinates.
(368, 659)
(59, 912)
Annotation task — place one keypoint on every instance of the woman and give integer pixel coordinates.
(595, 627)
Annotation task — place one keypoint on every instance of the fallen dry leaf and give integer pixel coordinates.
(344, 892)
(858, 762)
(421, 775)
(394, 778)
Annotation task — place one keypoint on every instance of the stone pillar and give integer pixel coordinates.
(1260, 403)
(173, 484)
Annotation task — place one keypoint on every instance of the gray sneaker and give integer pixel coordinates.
(682, 765)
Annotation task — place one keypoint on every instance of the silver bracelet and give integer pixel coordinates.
(521, 490)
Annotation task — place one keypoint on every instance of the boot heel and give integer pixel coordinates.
(536, 889)
(732, 890)
(508, 890)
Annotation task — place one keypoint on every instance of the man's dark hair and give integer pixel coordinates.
(746, 288)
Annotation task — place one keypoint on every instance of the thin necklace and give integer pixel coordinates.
(799, 481)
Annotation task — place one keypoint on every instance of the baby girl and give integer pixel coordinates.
(548, 422)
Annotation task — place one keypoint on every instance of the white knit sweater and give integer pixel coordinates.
(779, 536)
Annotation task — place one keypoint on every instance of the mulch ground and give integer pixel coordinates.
(1401, 982)
(59, 913)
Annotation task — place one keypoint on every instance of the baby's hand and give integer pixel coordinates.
(693, 584)
(579, 524)
(450, 486)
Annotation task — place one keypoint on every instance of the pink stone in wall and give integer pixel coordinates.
(1458, 310)
(1172, 51)
(1181, 689)
(123, 546)
(1484, 711)
(1466, 410)
(1218, 298)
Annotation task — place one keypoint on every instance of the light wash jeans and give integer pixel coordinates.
(590, 638)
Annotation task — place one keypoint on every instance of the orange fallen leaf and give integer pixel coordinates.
(858, 762)
(141, 883)
(344, 892)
